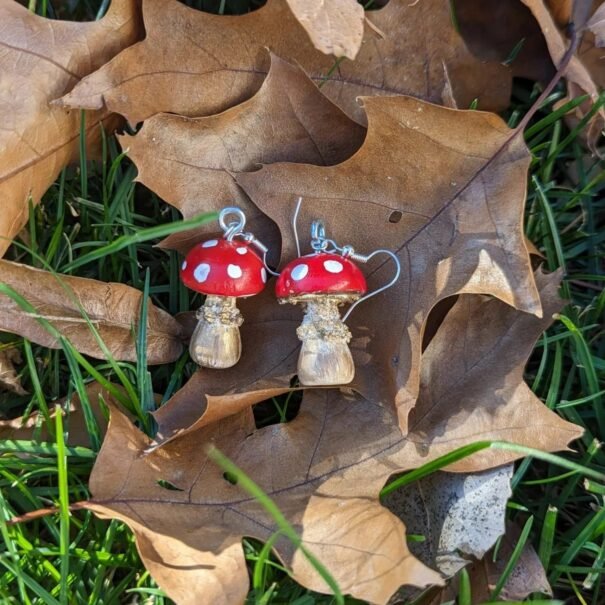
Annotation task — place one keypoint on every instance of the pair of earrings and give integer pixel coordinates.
(235, 267)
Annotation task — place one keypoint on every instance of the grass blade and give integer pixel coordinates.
(514, 558)
(284, 526)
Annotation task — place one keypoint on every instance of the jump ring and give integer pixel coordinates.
(232, 227)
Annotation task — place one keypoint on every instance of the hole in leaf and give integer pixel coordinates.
(230, 477)
(280, 409)
(229, 7)
(435, 319)
(271, 565)
(168, 485)
(372, 5)
(396, 216)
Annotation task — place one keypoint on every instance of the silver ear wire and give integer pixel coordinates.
(267, 268)
(320, 243)
(295, 224)
(365, 259)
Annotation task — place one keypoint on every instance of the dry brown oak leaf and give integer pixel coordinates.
(190, 162)
(527, 577)
(492, 29)
(40, 60)
(335, 27)
(325, 468)
(457, 182)
(444, 190)
(585, 73)
(113, 309)
(194, 63)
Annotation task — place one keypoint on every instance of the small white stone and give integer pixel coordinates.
(184, 265)
(210, 243)
(333, 266)
(263, 275)
(201, 273)
(241, 250)
(234, 271)
(299, 272)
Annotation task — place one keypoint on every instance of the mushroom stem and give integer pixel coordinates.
(325, 357)
(216, 341)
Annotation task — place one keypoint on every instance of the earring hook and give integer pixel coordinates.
(318, 232)
(295, 224)
(386, 286)
(320, 243)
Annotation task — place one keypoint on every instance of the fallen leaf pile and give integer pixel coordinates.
(196, 64)
(190, 162)
(252, 111)
(326, 467)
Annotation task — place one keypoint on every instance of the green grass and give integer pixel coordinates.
(95, 222)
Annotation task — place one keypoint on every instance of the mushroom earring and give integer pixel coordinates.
(224, 270)
(322, 282)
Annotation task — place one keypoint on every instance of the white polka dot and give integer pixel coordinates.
(241, 250)
(210, 243)
(263, 275)
(234, 271)
(299, 272)
(201, 272)
(184, 265)
(333, 266)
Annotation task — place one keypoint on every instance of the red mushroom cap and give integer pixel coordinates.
(224, 268)
(320, 273)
